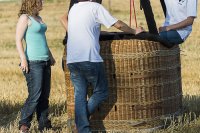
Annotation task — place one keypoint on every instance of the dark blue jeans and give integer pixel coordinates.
(171, 36)
(38, 82)
(83, 74)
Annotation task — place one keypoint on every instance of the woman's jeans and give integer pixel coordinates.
(171, 36)
(38, 82)
(82, 75)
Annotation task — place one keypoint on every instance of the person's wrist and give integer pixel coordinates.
(23, 59)
(134, 32)
(167, 28)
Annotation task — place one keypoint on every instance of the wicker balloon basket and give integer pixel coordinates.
(144, 85)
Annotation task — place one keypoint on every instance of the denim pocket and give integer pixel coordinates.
(73, 70)
(89, 68)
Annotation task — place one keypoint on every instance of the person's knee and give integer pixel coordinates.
(174, 39)
(163, 35)
(105, 94)
(34, 98)
(80, 99)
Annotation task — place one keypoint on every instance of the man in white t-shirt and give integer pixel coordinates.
(83, 58)
(180, 15)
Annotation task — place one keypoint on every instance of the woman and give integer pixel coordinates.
(35, 63)
(180, 15)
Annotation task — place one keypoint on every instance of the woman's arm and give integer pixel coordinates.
(53, 62)
(64, 21)
(20, 30)
(180, 25)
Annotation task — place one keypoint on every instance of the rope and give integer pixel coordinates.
(132, 7)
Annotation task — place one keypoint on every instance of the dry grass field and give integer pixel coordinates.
(13, 91)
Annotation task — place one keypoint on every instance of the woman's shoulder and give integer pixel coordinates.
(24, 17)
(39, 17)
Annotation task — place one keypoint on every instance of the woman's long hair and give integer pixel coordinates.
(30, 7)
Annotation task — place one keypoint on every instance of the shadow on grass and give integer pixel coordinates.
(191, 110)
(192, 104)
(189, 122)
(57, 109)
(57, 112)
(8, 112)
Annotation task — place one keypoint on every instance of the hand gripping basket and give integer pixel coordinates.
(144, 83)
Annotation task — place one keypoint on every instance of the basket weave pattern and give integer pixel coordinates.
(144, 85)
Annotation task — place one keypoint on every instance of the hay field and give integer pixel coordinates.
(13, 91)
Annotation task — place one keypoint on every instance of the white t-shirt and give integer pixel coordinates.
(84, 21)
(179, 10)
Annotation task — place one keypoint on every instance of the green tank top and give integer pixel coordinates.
(36, 44)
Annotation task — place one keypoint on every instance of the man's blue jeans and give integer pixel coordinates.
(38, 82)
(83, 74)
(172, 37)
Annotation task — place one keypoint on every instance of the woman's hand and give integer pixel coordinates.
(24, 65)
(164, 28)
(52, 60)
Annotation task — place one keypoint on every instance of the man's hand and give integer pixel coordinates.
(139, 30)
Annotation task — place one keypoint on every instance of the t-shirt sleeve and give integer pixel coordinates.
(104, 17)
(192, 8)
